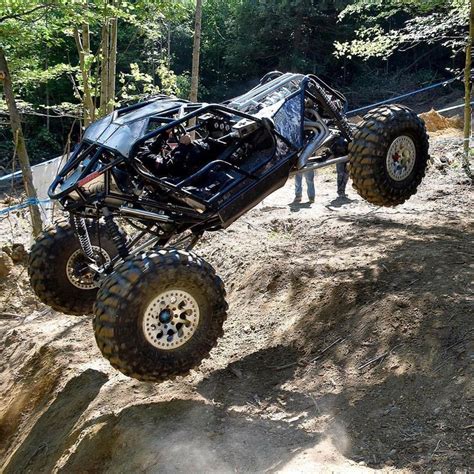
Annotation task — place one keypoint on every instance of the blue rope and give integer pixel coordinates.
(28, 202)
(403, 96)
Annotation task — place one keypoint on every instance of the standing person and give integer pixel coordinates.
(342, 178)
(309, 177)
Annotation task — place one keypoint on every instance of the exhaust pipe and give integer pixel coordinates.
(317, 142)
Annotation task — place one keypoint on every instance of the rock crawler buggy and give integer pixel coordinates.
(172, 170)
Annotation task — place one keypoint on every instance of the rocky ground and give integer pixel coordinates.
(348, 347)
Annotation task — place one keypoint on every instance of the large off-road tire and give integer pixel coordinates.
(159, 314)
(58, 271)
(388, 155)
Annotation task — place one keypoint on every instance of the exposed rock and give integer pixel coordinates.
(6, 265)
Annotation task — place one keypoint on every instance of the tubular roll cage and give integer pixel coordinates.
(200, 213)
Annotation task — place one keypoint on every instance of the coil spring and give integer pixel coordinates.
(114, 233)
(83, 237)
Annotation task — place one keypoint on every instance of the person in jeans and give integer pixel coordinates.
(309, 177)
(342, 177)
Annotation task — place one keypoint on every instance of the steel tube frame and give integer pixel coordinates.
(314, 166)
(253, 96)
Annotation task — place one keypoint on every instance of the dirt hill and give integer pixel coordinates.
(348, 348)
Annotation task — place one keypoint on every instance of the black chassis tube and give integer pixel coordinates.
(320, 85)
(191, 215)
(75, 158)
(179, 193)
(180, 214)
(70, 165)
(95, 200)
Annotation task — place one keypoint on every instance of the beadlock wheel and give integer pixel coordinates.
(59, 271)
(401, 157)
(159, 314)
(78, 272)
(170, 319)
(388, 155)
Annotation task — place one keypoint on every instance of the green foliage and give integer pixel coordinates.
(385, 26)
(183, 85)
(370, 42)
(43, 144)
(23, 24)
(135, 85)
(168, 81)
(38, 40)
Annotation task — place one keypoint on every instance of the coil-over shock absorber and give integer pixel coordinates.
(117, 237)
(83, 237)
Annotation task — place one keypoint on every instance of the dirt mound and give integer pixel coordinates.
(16, 296)
(38, 374)
(347, 348)
(435, 121)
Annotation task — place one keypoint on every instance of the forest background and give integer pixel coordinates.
(62, 54)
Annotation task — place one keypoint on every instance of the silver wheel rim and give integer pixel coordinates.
(401, 158)
(84, 281)
(171, 319)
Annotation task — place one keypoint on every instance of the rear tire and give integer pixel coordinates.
(159, 314)
(388, 155)
(52, 266)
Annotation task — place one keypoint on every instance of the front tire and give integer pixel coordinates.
(159, 314)
(388, 155)
(58, 271)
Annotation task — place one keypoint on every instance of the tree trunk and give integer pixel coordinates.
(467, 95)
(86, 43)
(104, 79)
(83, 49)
(169, 44)
(47, 93)
(20, 144)
(111, 66)
(196, 50)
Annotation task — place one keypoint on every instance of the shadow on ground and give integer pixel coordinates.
(410, 313)
(186, 436)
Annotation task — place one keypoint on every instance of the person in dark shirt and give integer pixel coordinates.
(187, 158)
